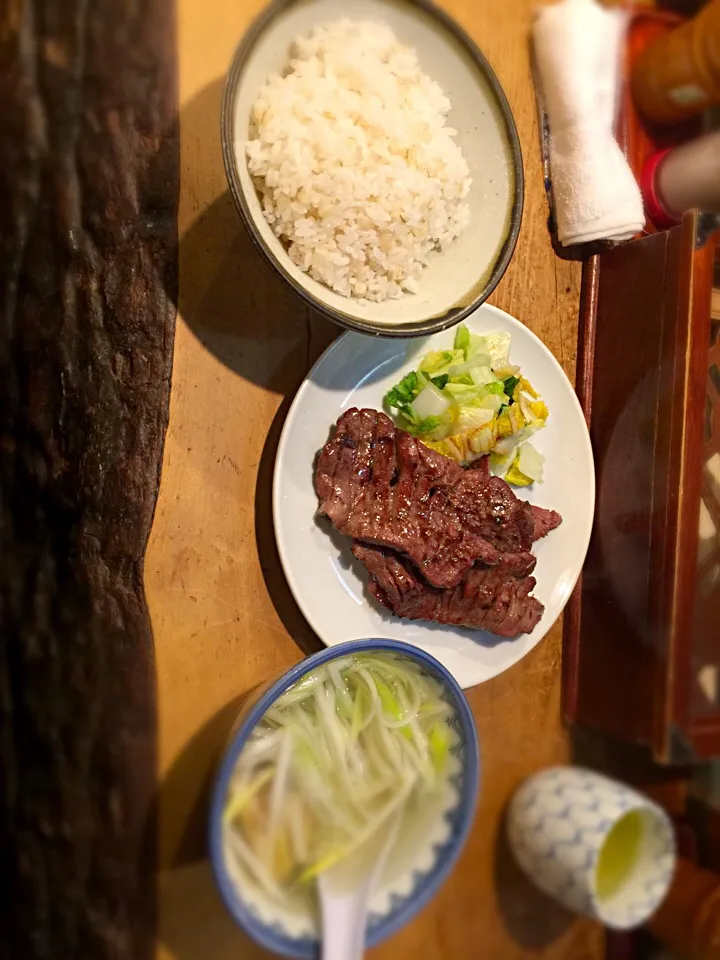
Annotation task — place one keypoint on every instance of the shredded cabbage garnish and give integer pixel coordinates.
(342, 750)
(469, 402)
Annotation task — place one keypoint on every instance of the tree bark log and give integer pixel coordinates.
(88, 275)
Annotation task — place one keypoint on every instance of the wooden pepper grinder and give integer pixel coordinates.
(689, 919)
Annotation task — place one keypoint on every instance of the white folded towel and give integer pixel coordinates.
(578, 45)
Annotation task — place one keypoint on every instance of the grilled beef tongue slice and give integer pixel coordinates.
(380, 485)
(496, 599)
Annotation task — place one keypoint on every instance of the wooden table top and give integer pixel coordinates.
(222, 615)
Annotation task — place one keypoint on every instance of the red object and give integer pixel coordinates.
(654, 208)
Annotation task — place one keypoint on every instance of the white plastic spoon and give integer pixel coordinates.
(345, 892)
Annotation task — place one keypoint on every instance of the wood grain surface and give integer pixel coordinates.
(88, 200)
(222, 615)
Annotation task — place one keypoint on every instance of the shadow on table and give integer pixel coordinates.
(230, 297)
(247, 317)
(275, 582)
(192, 775)
(194, 923)
(532, 918)
(192, 920)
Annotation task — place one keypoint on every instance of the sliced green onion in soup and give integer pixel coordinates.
(333, 758)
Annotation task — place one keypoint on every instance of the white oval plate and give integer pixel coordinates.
(329, 585)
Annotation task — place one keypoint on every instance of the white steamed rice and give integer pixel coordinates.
(356, 170)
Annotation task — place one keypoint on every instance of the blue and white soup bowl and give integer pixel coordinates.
(562, 823)
(431, 837)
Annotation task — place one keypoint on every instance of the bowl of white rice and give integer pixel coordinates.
(374, 159)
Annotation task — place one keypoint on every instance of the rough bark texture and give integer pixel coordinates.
(88, 199)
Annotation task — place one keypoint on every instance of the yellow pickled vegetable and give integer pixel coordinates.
(516, 477)
(466, 447)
